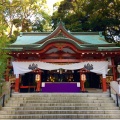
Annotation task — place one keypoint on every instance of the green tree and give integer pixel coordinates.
(42, 24)
(104, 16)
(23, 14)
(90, 15)
(3, 42)
(72, 13)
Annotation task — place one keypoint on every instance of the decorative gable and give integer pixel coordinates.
(61, 33)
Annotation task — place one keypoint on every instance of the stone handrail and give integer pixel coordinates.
(114, 89)
(5, 95)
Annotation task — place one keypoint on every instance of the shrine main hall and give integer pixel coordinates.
(62, 61)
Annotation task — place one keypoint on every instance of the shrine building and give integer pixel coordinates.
(62, 61)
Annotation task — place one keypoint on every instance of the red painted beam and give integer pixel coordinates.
(68, 60)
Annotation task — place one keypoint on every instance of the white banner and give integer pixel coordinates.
(99, 67)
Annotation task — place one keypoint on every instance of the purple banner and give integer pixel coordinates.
(60, 87)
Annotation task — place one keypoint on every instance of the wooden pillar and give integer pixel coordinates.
(104, 85)
(17, 82)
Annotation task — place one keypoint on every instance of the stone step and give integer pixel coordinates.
(52, 103)
(62, 100)
(59, 119)
(19, 95)
(61, 104)
(83, 104)
(62, 116)
(59, 95)
(61, 108)
(80, 95)
(21, 112)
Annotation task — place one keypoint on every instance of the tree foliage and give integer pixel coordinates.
(25, 16)
(90, 15)
(72, 13)
(105, 16)
(3, 42)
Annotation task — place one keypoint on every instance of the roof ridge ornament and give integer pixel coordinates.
(60, 35)
(61, 23)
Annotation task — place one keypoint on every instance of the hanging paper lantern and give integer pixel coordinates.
(83, 77)
(37, 77)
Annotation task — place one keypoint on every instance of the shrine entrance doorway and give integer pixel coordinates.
(28, 83)
(92, 80)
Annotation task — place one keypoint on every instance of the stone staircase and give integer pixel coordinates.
(60, 106)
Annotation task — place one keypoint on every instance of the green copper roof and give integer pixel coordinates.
(92, 39)
(32, 38)
(82, 40)
(28, 39)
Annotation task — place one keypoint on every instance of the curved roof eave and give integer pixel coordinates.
(78, 46)
(100, 45)
(108, 48)
(41, 46)
(20, 45)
